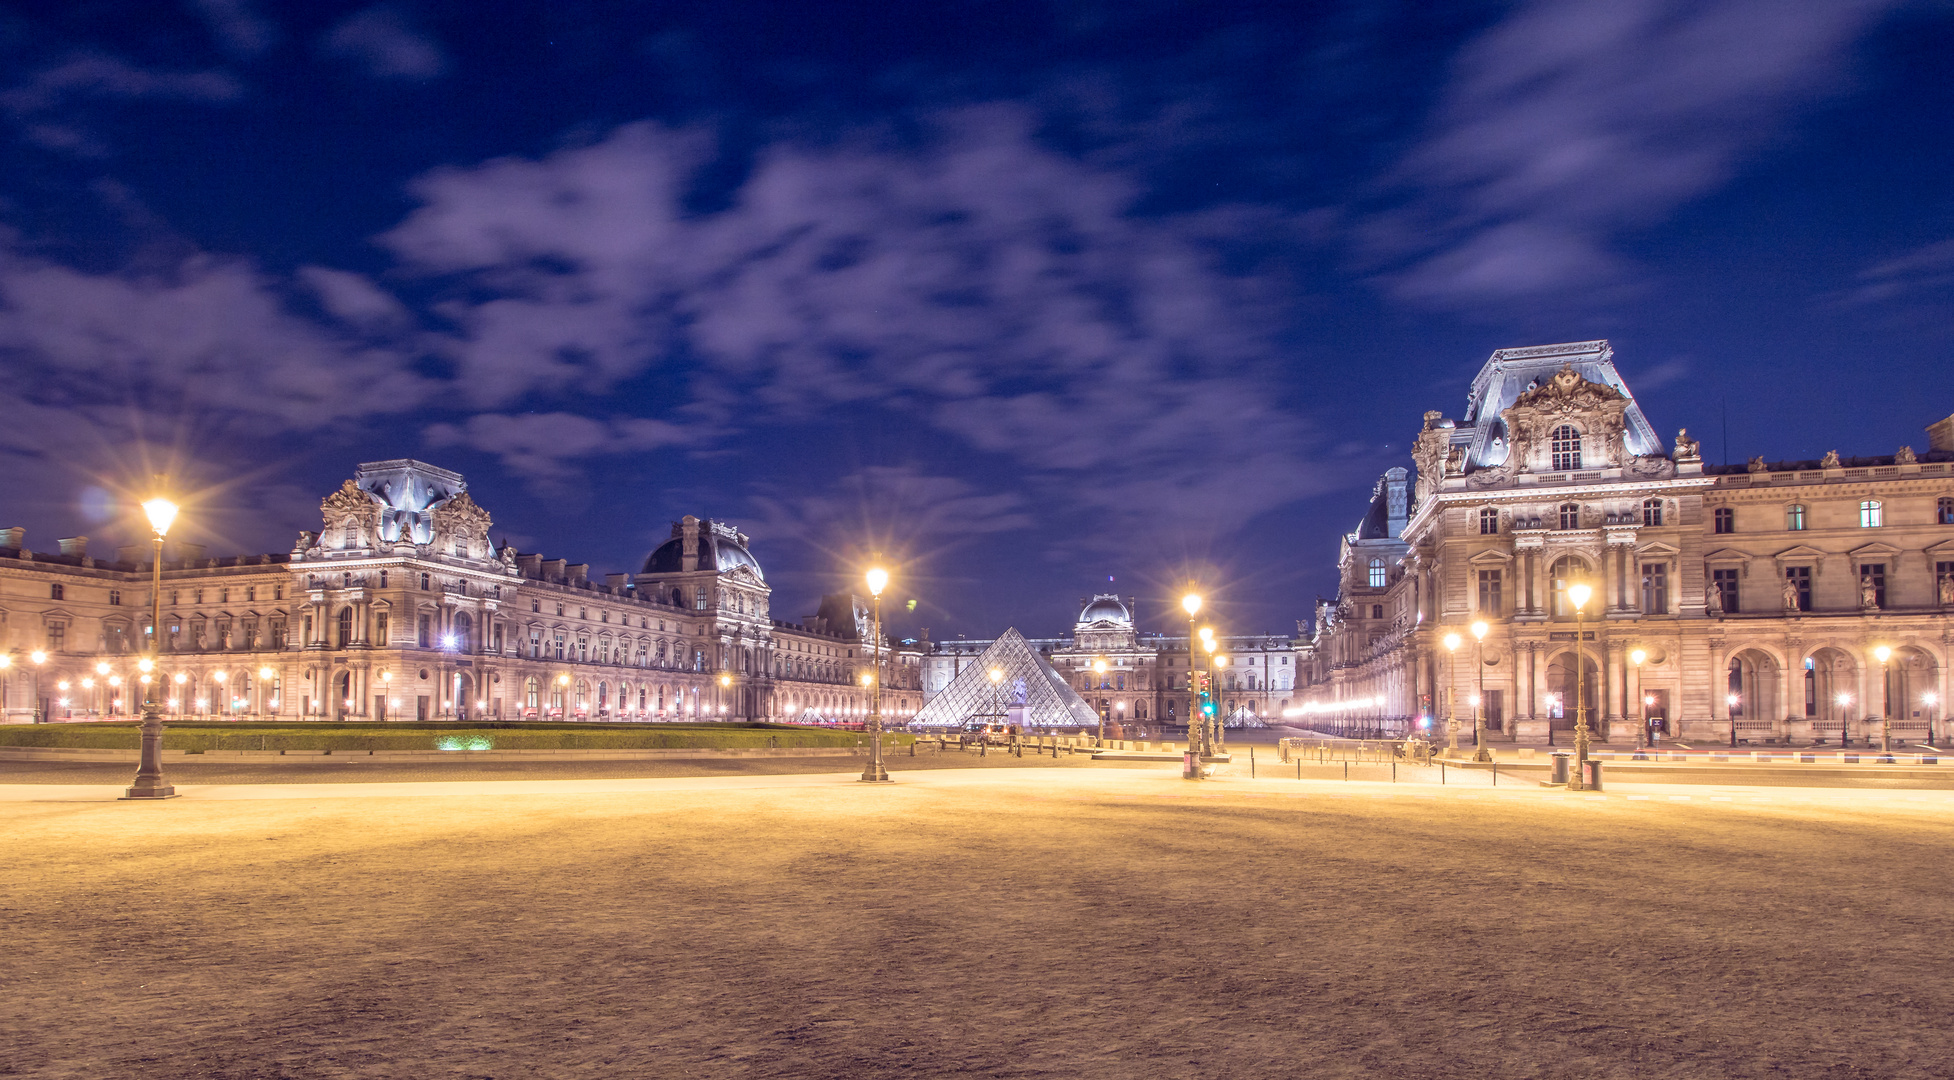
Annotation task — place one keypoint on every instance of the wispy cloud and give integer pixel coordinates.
(1926, 269)
(543, 447)
(1572, 121)
(238, 26)
(381, 42)
(43, 105)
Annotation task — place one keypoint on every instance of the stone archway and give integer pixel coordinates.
(1750, 692)
(1561, 704)
(1831, 693)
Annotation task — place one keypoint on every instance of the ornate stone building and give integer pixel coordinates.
(1754, 596)
(401, 607)
(1144, 680)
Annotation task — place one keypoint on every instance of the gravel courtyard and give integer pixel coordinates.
(997, 922)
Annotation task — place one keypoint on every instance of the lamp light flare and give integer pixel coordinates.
(161, 513)
(37, 656)
(1579, 593)
(1638, 655)
(1479, 629)
(1191, 603)
(1882, 654)
(878, 579)
(1452, 642)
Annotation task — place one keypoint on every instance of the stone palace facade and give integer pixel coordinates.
(400, 607)
(1755, 596)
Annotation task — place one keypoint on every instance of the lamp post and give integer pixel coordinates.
(1191, 760)
(1099, 673)
(1211, 725)
(1734, 701)
(725, 681)
(1883, 654)
(149, 783)
(1930, 699)
(1480, 751)
(1578, 594)
(873, 772)
(1845, 701)
(997, 692)
(1642, 737)
(1452, 642)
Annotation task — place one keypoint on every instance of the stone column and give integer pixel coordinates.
(1719, 687)
(1618, 724)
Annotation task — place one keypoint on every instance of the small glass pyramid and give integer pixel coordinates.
(1030, 692)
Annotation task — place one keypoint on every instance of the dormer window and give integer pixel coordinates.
(1570, 514)
(1377, 574)
(1488, 522)
(1652, 512)
(1566, 448)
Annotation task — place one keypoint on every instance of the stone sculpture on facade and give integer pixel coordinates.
(1830, 461)
(1790, 594)
(1905, 456)
(1947, 590)
(1712, 599)
(1868, 595)
(1687, 449)
(1757, 465)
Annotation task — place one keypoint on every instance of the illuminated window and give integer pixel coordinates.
(1377, 574)
(699, 602)
(1652, 511)
(1869, 514)
(1944, 512)
(1794, 517)
(1566, 448)
(1488, 521)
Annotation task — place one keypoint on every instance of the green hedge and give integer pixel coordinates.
(327, 735)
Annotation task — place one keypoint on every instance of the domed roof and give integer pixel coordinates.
(1106, 608)
(716, 553)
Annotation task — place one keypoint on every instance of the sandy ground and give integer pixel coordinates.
(1004, 923)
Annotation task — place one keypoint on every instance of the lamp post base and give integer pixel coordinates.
(148, 783)
(148, 794)
(875, 774)
(1190, 766)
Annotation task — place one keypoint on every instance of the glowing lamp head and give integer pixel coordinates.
(37, 656)
(6, 661)
(1479, 629)
(1579, 593)
(878, 579)
(161, 513)
(725, 680)
(997, 674)
(1930, 698)
(1210, 644)
(146, 664)
(1637, 656)
(102, 668)
(1452, 642)
(1844, 699)
(1099, 665)
(563, 680)
(1191, 603)
(1731, 699)
(180, 678)
(1882, 654)
(266, 673)
(220, 676)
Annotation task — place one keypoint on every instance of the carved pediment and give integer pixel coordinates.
(1567, 391)
(1799, 552)
(461, 516)
(1491, 556)
(1727, 555)
(349, 501)
(1657, 547)
(1874, 550)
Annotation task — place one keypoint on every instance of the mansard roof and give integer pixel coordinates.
(1510, 373)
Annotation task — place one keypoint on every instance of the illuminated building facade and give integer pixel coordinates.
(401, 607)
(1757, 596)
(1144, 676)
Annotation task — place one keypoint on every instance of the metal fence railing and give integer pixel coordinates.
(1357, 751)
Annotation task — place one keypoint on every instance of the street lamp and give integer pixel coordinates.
(873, 772)
(1733, 701)
(1578, 594)
(1643, 737)
(1099, 669)
(1211, 726)
(1845, 700)
(1930, 699)
(1191, 760)
(1481, 751)
(1883, 654)
(149, 783)
(1452, 642)
(997, 692)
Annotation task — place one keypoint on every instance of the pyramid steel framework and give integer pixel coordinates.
(1030, 682)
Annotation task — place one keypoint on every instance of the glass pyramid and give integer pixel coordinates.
(1031, 692)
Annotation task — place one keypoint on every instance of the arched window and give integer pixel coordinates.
(1869, 514)
(1652, 511)
(1567, 569)
(1570, 516)
(531, 691)
(1488, 522)
(1377, 574)
(1944, 512)
(699, 598)
(352, 537)
(1794, 517)
(1566, 447)
(1725, 520)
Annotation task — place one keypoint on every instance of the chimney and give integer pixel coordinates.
(1397, 501)
(189, 554)
(617, 582)
(13, 538)
(553, 570)
(75, 546)
(1940, 435)
(687, 529)
(132, 553)
(577, 573)
(530, 565)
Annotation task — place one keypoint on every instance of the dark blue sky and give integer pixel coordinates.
(1026, 295)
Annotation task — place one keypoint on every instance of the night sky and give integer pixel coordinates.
(1026, 296)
